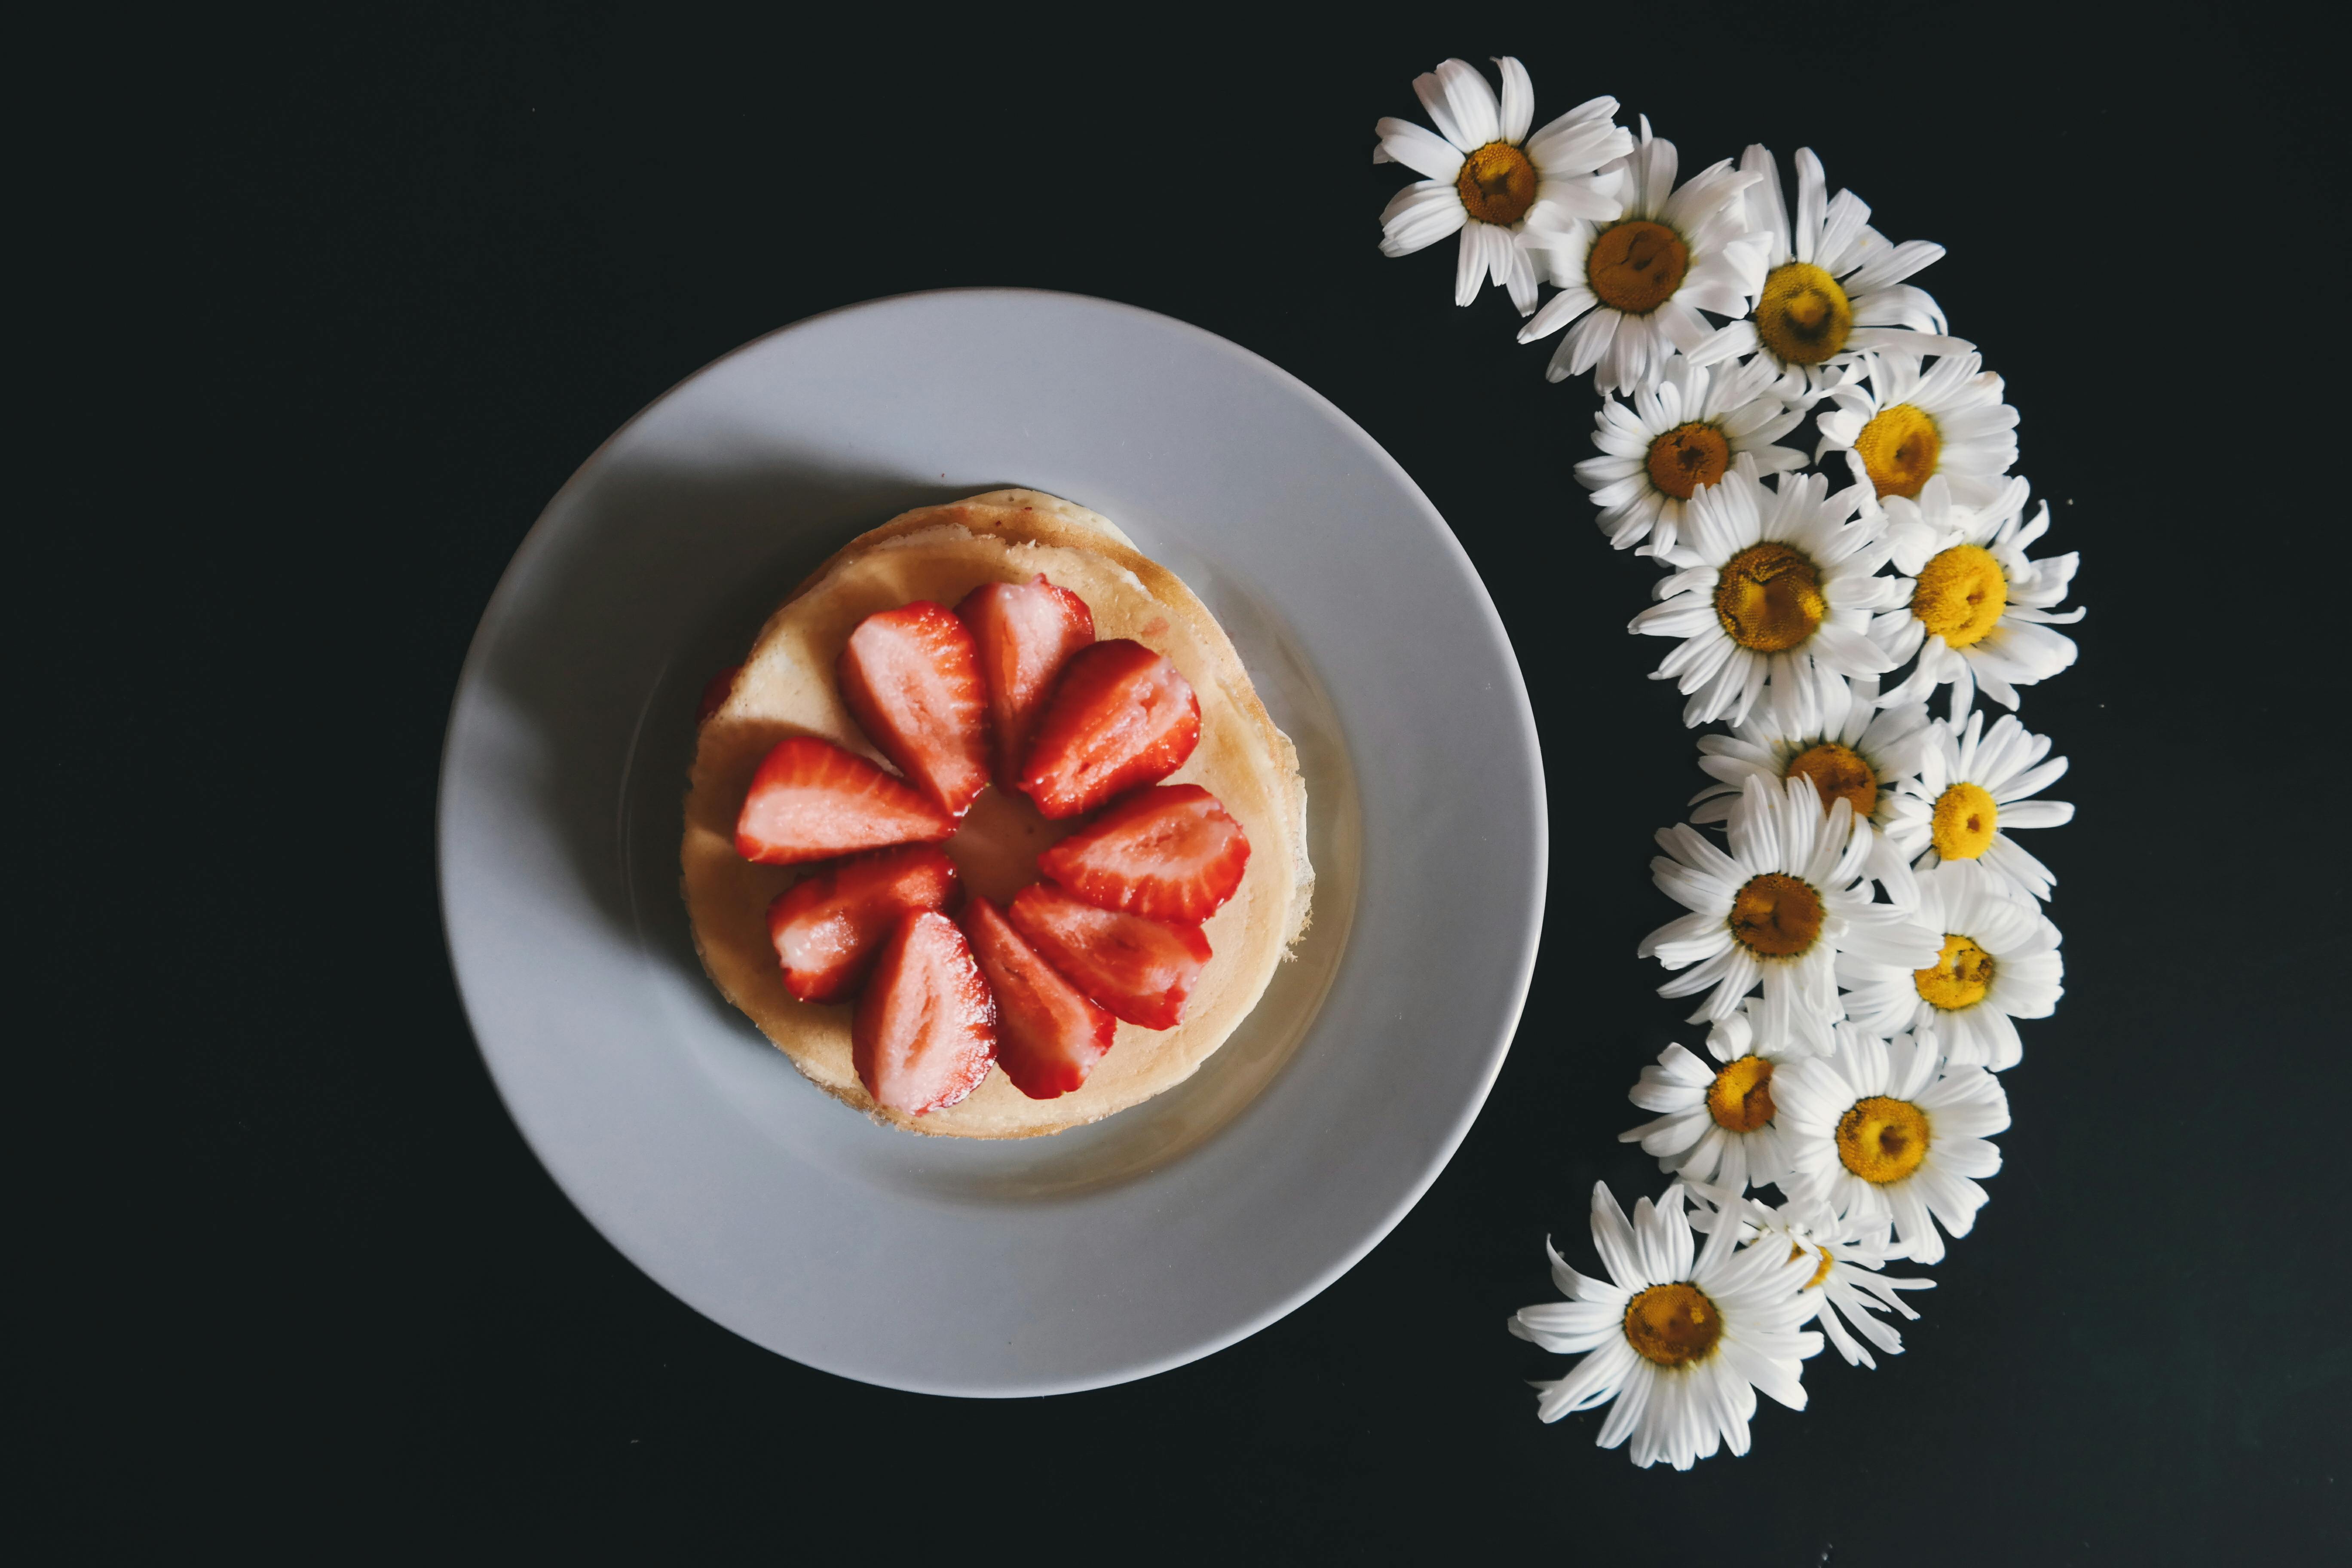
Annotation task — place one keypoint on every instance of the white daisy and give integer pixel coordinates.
(1487, 177)
(1717, 1125)
(1834, 286)
(1640, 282)
(1846, 1288)
(1900, 426)
(2000, 961)
(1862, 754)
(1777, 583)
(1971, 794)
(1777, 910)
(1682, 1344)
(1875, 1133)
(1670, 440)
(1977, 613)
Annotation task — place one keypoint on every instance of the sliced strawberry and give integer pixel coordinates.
(1141, 970)
(715, 692)
(925, 1030)
(1048, 1034)
(811, 801)
(1025, 632)
(828, 927)
(1171, 853)
(1120, 716)
(911, 679)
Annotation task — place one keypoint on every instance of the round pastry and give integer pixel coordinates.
(762, 928)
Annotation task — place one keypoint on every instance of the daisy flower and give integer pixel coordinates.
(1485, 176)
(1671, 440)
(1861, 754)
(1846, 1286)
(2000, 961)
(1776, 911)
(1833, 286)
(1971, 794)
(1682, 1344)
(1777, 587)
(1874, 1133)
(1979, 613)
(1639, 282)
(1900, 426)
(1718, 1121)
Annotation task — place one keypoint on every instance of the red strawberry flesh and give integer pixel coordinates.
(1170, 853)
(925, 1029)
(1140, 969)
(1120, 717)
(811, 800)
(1049, 1034)
(911, 679)
(1024, 632)
(829, 927)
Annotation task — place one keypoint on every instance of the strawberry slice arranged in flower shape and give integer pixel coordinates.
(911, 679)
(812, 801)
(829, 927)
(1025, 632)
(1142, 970)
(1169, 854)
(1074, 725)
(925, 1030)
(1049, 1034)
(1120, 717)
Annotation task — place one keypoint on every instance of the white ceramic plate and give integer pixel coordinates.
(1112, 1251)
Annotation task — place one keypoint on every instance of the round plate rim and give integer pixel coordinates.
(1528, 929)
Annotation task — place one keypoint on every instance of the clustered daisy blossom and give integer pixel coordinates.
(1682, 1344)
(1777, 911)
(1998, 961)
(1666, 443)
(1718, 1120)
(1635, 282)
(1971, 789)
(1485, 177)
(1866, 934)
(1777, 585)
(1977, 613)
(1834, 286)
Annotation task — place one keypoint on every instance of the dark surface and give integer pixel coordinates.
(346, 301)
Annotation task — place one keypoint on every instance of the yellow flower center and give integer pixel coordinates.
(1797, 1250)
(1768, 598)
(1900, 447)
(1963, 822)
(1838, 773)
(1961, 594)
(1688, 458)
(1636, 266)
(1673, 1325)
(1803, 316)
(1497, 184)
(1741, 1097)
(1958, 978)
(1776, 915)
(1882, 1140)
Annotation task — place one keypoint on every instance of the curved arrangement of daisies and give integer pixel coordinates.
(1865, 928)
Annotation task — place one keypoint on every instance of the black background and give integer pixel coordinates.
(332, 302)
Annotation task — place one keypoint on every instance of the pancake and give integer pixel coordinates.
(786, 688)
